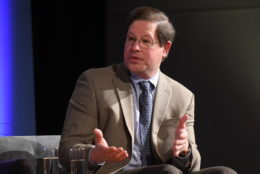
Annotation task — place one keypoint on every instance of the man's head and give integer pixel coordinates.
(164, 29)
(148, 41)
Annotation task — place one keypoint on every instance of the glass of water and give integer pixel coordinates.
(78, 164)
(50, 161)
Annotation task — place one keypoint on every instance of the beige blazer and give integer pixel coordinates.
(103, 99)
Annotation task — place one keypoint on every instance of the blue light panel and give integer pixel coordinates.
(5, 68)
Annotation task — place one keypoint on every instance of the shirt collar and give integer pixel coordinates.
(154, 80)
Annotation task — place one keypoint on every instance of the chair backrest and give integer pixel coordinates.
(34, 145)
(27, 147)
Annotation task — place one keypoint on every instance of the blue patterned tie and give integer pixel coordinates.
(146, 107)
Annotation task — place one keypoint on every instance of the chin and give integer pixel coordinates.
(133, 67)
(137, 71)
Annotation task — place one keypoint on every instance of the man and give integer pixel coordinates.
(130, 117)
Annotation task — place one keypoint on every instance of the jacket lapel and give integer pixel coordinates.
(161, 102)
(124, 90)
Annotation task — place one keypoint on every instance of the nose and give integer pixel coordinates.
(136, 45)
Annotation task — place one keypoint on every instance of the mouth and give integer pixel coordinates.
(134, 59)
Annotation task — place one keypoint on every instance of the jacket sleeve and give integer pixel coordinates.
(191, 163)
(81, 119)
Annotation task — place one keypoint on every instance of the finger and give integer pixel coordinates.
(123, 156)
(180, 142)
(119, 149)
(120, 156)
(113, 156)
(183, 134)
(98, 135)
(178, 147)
(182, 121)
(176, 150)
(111, 149)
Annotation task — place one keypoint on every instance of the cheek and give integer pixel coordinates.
(125, 51)
(154, 58)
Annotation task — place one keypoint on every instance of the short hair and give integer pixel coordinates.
(164, 29)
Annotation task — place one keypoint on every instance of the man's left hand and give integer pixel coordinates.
(181, 143)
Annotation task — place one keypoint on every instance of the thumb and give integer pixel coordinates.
(182, 121)
(98, 135)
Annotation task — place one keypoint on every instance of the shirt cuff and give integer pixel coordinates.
(185, 160)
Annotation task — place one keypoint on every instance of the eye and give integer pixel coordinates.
(130, 38)
(146, 41)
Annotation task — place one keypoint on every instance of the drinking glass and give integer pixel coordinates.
(50, 161)
(78, 164)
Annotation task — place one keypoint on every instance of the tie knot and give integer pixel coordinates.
(145, 86)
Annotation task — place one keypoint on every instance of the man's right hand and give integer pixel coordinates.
(104, 153)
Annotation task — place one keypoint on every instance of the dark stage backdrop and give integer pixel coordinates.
(215, 54)
(68, 37)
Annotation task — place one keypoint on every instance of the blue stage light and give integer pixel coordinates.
(5, 68)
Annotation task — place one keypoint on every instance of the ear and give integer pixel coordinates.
(166, 48)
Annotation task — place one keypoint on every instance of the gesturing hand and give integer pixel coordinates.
(181, 137)
(104, 153)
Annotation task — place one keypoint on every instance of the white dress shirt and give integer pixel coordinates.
(135, 161)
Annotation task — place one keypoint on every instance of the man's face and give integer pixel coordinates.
(142, 53)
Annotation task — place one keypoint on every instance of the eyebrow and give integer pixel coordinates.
(145, 35)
